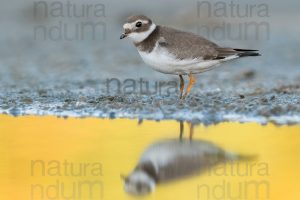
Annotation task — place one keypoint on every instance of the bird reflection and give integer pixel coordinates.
(191, 126)
(171, 159)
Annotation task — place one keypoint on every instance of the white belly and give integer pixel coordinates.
(163, 61)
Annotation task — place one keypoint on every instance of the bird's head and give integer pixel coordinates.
(138, 183)
(138, 28)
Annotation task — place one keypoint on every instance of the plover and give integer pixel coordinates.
(172, 51)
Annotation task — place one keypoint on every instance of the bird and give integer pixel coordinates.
(171, 51)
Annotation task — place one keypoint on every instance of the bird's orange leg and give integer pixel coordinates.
(191, 83)
(181, 86)
(191, 130)
(181, 129)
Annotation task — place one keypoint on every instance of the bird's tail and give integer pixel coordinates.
(224, 53)
(240, 157)
(246, 52)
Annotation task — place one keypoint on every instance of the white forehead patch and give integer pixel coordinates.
(127, 26)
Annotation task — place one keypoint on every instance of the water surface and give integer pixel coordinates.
(44, 158)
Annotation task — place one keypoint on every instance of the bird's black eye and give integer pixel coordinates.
(138, 24)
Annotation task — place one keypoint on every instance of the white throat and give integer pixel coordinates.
(139, 37)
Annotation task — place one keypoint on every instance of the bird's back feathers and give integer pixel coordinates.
(185, 45)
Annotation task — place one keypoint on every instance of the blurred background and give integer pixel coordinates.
(52, 62)
(42, 42)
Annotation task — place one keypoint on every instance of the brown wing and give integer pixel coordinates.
(188, 45)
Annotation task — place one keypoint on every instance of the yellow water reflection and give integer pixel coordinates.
(51, 158)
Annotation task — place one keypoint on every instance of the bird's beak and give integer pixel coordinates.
(124, 35)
